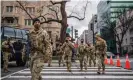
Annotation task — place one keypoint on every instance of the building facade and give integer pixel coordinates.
(84, 36)
(13, 15)
(111, 7)
(110, 10)
(92, 28)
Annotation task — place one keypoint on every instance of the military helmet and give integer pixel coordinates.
(67, 36)
(97, 35)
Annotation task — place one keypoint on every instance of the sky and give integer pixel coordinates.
(91, 10)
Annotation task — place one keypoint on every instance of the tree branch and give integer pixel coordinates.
(23, 8)
(52, 20)
(55, 2)
(70, 16)
(55, 13)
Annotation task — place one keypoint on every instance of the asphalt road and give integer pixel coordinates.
(12, 68)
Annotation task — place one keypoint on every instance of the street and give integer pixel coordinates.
(12, 67)
(60, 73)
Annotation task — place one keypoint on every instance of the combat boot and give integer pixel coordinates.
(98, 72)
(63, 65)
(49, 65)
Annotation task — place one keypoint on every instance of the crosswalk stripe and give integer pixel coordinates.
(79, 69)
(28, 72)
(61, 73)
(72, 77)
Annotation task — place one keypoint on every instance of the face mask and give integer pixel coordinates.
(66, 40)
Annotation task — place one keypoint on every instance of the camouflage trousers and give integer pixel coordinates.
(61, 59)
(91, 58)
(83, 62)
(36, 68)
(101, 64)
(50, 60)
(68, 61)
(5, 59)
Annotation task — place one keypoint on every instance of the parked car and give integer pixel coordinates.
(109, 54)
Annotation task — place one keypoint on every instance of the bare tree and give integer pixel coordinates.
(63, 13)
(125, 19)
(110, 31)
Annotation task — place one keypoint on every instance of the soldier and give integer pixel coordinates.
(82, 55)
(23, 52)
(6, 48)
(18, 48)
(60, 54)
(91, 55)
(40, 49)
(67, 47)
(100, 52)
(50, 55)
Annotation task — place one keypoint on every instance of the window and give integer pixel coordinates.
(16, 9)
(18, 33)
(126, 40)
(30, 9)
(9, 8)
(28, 22)
(9, 20)
(9, 32)
(24, 34)
(131, 39)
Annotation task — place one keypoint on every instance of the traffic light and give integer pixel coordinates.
(95, 18)
(76, 33)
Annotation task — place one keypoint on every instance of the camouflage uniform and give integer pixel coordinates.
(60, 54)
(40, 49)
(91, 55)
(100, 52)
(6, 53)
(67, 47)
(82, 56)
(50, 56)
(23, 52)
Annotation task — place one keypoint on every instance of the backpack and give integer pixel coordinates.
(81, 49)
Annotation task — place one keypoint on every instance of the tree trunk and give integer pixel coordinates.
(120, 49)
(64, 22)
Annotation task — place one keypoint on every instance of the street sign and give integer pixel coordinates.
(68, 30)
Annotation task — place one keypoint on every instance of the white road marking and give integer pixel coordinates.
(28, 72)
(80, 77)
(79, 69)
(11, 74)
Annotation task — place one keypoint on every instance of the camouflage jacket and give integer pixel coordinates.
(82, 49)
(101, 46)
(91, 50)
(40, 44)
(67, 47)
(6, 47)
